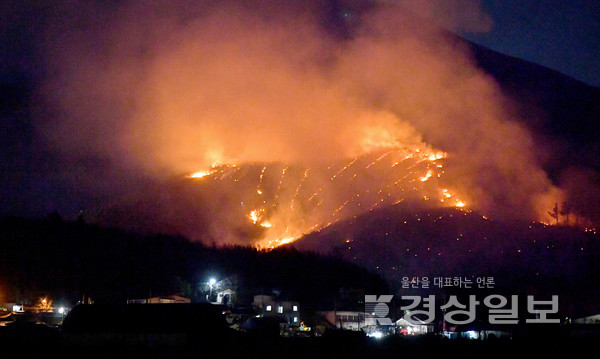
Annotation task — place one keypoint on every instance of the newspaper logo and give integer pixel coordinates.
(377, 310)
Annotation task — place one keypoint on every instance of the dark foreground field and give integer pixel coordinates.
(34, 341)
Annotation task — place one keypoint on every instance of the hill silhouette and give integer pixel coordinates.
(71, 260)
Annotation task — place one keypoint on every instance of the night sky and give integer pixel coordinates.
(562, 35)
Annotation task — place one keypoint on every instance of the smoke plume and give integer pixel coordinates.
(172, 87)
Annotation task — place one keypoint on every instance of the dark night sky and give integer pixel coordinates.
(562, 35)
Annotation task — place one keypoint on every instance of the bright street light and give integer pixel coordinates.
(211, 282)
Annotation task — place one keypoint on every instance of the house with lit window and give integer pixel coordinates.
(346, 320)
(268, 306)
(225, 297)
(356, 321)
(170, 299)
(414, 327)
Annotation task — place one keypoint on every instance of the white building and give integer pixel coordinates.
(225, 296)
(270, 307)
(347, 320)
(170, 299)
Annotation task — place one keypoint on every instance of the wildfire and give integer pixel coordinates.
(201, 174)
(255, 215)
(287, 240)
(260, 179)
(445, 194)
(298, 203)
(427, 176)
(436, 156)
(270, 244)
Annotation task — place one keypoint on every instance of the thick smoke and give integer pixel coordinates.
(172, 87)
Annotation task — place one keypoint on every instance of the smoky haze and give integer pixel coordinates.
(173, 87)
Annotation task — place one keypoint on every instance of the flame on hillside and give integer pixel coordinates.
(201, 174)
(291, 201)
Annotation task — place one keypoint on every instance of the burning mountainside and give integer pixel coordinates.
(317, 122)
(289, 201)
(272, 204)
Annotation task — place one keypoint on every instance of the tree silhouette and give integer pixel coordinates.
(565, 210)
(555, 212)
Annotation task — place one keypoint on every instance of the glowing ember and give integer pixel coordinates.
(273, 243)
(287, 240)
(255, 215)
(260, 179)
(201, 174)
(266, 225)
(436, 156)
(427, 176)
